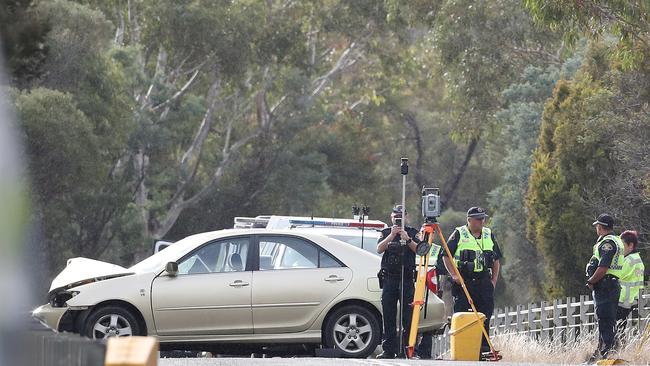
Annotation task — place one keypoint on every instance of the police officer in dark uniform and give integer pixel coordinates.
(394, 255)
(604, 270)
(477, 256)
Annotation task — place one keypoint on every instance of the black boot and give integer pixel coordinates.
(593, 358)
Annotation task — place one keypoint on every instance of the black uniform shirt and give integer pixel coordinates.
(455, 237)
(409, 256)
(607, 250)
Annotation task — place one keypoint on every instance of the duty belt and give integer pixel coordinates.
(474, 276)
(606, 281)
(407, 271)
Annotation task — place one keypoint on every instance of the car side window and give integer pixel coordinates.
(228, 255)
(327, 261)
(292, 253)
(287, 253)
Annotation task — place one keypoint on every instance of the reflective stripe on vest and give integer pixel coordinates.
(434, 253)
(631, 280)
(616, 267)
(467, 241)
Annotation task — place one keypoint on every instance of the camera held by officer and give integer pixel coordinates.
(398, 247)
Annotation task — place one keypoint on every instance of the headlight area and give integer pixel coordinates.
(60, 299)
(70, 320)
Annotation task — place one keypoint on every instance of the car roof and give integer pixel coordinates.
(349, 254)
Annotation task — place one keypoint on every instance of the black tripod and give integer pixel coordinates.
(404, 169)
(361, 213)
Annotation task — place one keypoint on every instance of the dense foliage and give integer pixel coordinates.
(148, 120)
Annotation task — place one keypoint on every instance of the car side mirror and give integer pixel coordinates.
(171, 268)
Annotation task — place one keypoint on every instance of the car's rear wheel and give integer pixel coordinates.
(111, 321)
(353, 330)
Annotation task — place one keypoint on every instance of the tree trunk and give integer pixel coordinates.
(458, 176)
(411, 122)
(141, 199)
(134, 25)
(121, 26)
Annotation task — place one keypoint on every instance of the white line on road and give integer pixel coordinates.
(379, 362)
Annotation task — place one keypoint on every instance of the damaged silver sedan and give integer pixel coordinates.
(232, 291)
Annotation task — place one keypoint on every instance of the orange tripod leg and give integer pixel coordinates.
(418, 297)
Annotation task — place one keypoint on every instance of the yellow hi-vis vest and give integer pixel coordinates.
(467, 241)
(631, 281)
(616, 267)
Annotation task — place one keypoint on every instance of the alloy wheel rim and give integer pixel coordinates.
(112, 325)
(352, 333)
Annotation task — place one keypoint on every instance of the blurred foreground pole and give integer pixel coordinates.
(14, 223)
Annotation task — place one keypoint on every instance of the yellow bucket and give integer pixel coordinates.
(466, 336)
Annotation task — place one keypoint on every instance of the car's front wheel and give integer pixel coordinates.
(353, 330)
(111, 321)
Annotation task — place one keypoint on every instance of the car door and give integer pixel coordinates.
(294, 282)
(211, 293)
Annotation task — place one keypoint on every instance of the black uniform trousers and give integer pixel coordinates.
(425, 346)
(621, 318)
(606, 293)
(621, 324)
(482, 293)
(390, 296)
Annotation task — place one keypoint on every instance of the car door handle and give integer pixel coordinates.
(239, 283)
(334, 278)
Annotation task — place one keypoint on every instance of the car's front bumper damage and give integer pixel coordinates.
(49, 316)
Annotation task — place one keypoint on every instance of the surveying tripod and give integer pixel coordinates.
(429, 228)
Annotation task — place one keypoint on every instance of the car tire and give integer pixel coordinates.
(111, 321)
(353, 331)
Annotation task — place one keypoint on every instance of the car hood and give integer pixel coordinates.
(80, 270)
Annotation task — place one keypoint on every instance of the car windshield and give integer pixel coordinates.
(159, 259)
(369, 241)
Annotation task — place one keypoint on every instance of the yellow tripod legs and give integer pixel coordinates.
(418, 297)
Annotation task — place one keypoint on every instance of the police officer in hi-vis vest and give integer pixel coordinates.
(604, 270)
(631, 280)
(477, 256)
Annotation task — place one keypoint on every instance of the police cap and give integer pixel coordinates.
(397, 210)
(605, 220)
(477, 213)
